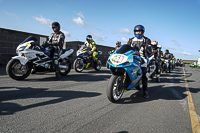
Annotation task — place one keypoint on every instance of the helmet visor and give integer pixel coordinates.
(137, 32)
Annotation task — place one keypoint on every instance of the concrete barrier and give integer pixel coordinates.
(9, 40)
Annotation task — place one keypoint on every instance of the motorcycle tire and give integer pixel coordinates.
(65, 72)
(14, 66)
(98, 65)
(75, 66)
(114, 88)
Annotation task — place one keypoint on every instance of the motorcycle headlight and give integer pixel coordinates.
(20, 49)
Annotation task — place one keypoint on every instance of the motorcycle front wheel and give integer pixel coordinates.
(78, 65)
(17, 71)
(115, 88)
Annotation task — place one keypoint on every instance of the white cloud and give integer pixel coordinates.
(48, 23)
(81, 21)
(186, 53)
(124, 40)
(78, 21)
(43, 20)
(98, 37)
(80, 15)
(124, 31)
(113, 32)
(66, 33)
(171, 48)
(176, 42)
(11, 14)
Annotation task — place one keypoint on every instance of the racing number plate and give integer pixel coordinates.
(118, 58)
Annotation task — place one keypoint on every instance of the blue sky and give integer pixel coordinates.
(175, 24)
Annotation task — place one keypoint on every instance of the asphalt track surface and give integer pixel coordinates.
(78, 104)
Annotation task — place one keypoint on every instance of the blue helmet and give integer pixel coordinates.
(139, 28)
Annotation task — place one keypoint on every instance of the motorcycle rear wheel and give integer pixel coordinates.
(64, 72)
(98, 65)
(115, 88)
(15, 71)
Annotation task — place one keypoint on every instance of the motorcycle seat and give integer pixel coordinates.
(64, 50)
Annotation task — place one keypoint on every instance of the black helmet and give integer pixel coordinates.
(55, 24)
(89, 38)
(167, 51)
(139, 28)
(118, 44)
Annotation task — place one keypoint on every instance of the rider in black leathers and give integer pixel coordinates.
(157, 55)
(168, 56)
(141, 43)
(118, 45)
(56, 40)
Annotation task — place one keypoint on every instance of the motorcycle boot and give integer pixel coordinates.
(158, 80)
(146, 95)
(56, 64)
(33, 70)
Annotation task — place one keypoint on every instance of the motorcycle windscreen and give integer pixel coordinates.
(125, 48)
(30, 38)
(83, 47)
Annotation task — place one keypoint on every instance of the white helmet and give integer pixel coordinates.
(159, 46)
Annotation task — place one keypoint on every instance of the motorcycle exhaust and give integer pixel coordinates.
(63, 67)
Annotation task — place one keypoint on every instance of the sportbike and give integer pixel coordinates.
(32, 56)
(124, 65)
(85, 60)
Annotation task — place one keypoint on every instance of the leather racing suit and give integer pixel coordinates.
(157, 55)
(94, 51)
(141, 45)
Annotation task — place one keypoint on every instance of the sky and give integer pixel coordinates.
(174, 24)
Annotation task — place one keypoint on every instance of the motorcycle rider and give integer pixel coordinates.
(173, 61)
(168, 56)
(141, 43)
(56, 40)
(91, 43)
(118, 45)
(157, 54)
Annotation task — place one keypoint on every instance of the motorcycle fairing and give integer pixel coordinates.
(129, 63)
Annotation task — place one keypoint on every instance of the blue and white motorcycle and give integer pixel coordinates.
(124, 65)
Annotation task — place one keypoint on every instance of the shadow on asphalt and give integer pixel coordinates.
(78, 77)
(94, 71)
(161, 91)
(8, 108)
(2, 71)
(157, 93)
(166, 77)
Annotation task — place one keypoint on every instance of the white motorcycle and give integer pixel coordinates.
(32, 56)
(151, 67)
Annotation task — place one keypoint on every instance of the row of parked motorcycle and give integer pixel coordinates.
(124, 64)
(31, 56)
